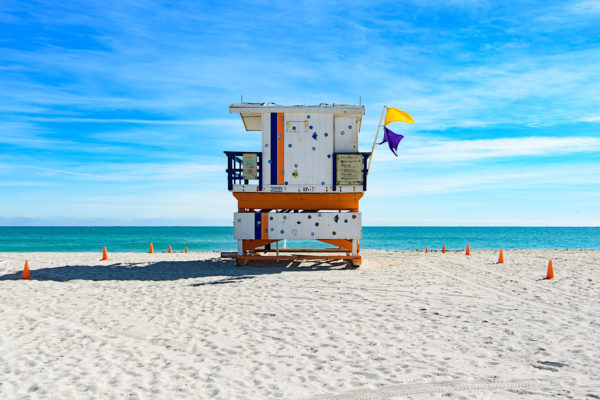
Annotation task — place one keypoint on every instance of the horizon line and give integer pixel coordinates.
(364, 226)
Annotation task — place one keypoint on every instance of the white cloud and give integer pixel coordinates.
(139, 173)
(429, 150)
(592, 118)
(513, 179)
(199, 122)
(586, 7)
(65, 172)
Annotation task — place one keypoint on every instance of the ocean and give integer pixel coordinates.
(203, 238)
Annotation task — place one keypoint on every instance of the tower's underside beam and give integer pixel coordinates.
(298, 201)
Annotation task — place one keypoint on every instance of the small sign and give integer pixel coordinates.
(249, 166)
(297, 126)
(349, 169)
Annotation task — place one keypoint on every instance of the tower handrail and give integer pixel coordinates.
(235, 168)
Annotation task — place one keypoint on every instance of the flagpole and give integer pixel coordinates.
(375, 141)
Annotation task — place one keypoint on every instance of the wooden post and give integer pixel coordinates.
(375, 141)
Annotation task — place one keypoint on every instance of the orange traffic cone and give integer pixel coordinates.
(501, 257)
(550, 273)
(104, 253)
(26, 274)
(185, 250)
(468, 252)
(443, 248)
(426, 250)
(151, 248)
(170, 251)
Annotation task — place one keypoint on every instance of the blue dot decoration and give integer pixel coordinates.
(343, 132)
(266, 144)
(322, 183)
(314, 148)
(290, 145)
(295, 165)
(310, 127)
(312, 234)
(308, 116)
(282, 118)
(286, 182)
(326, 134)
(281, 231)
(271, 218)
(293, 128)
(282, 171)
(314, 136)
(279, 137)
(269, 161)
(328, 155)
(349, 126)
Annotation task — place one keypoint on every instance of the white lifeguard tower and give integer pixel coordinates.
(304, 183)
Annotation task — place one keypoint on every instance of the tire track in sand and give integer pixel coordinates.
(450, 387)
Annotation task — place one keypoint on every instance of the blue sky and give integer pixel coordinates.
(116, 113)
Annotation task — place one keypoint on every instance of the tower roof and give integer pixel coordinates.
(251, 113)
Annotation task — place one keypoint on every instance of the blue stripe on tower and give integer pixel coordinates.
(273, 146)
(257, 223)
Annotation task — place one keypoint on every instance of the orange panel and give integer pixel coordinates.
(264, 225)
(280, 148)
(345, 243)
(298, 201)
(251, 244)
(357, 260)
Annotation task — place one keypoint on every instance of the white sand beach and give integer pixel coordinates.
(406, 325)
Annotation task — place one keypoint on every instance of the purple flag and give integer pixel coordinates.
(393, 139)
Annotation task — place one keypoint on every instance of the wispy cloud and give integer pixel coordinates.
(94, 98)
(509, 178)
(199, 122)
(453, 151)
(593, 118)
(139, 173)
(62, 171)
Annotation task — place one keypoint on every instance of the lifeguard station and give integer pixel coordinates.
(305, 182)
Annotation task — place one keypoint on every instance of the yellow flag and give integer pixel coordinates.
(393, 115)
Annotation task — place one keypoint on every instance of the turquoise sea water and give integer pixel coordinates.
(137, 239)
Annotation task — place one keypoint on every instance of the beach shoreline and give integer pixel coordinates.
(404, 325)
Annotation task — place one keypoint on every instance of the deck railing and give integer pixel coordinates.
(235, 168)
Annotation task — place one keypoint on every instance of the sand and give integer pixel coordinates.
(406, 325)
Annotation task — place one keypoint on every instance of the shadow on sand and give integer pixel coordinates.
(173, 270)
